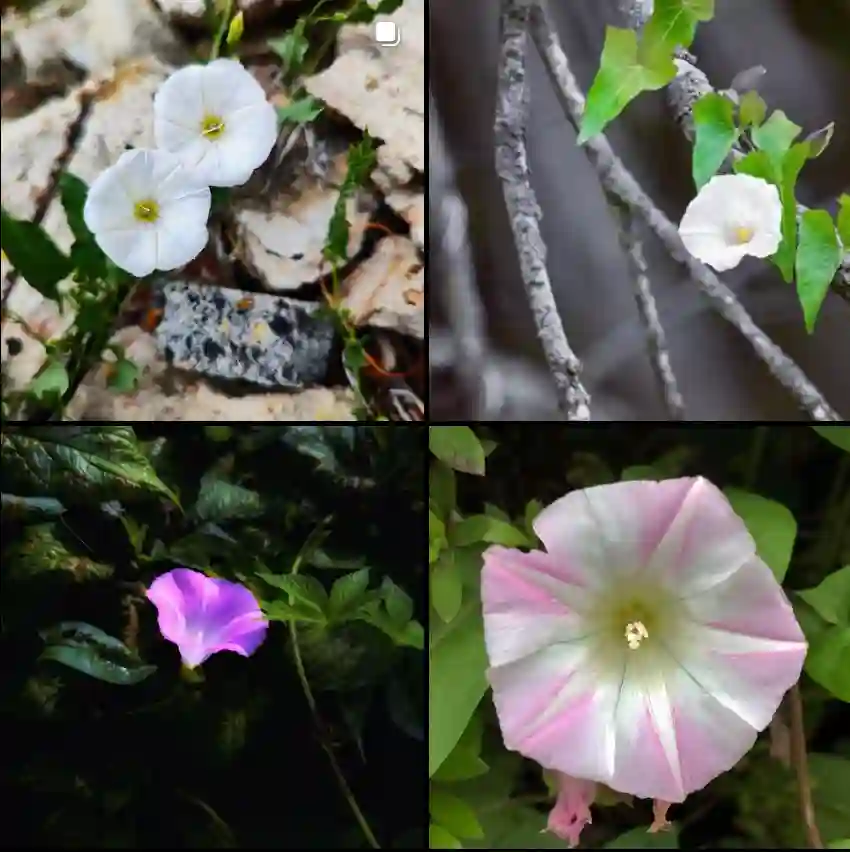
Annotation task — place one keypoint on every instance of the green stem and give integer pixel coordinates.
(311, 703)
(221, 31)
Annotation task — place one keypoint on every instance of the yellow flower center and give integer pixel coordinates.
(212, 127)
(742, 234)
(146, 210)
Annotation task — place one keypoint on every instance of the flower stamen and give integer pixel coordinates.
(742, 234)
(212, 127)
(146, 210)
(635, 634)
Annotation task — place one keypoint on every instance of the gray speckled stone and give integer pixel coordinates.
(230, 334)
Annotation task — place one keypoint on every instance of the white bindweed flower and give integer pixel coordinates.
(731, 217)
(147, 212)
(217, 119)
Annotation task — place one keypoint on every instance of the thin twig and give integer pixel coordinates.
(512, 108)
(800, 763)
(689, 85)
(648, 310)
(616, 179)
(450, 249)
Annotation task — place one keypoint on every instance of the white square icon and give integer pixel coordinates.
(386, 33)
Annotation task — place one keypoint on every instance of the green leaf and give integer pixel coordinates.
(673, 24)
(124, 375)
(620, 79)
(818, 140)
(453, 814)
(489, 529)
(91, 651)
(89, 463)
(843, 220)
(752, 109)
(818, 258)
(39, 551)
(30, 508)
(34, 255)
(640, 838)
(716, 134)
(442, 489)
(439, 838)
(458, 447)
(86, 255)
(446, 587)
(839, 844)
(296, 611)
(301, 111)
(292, 48)
(458, 661)
(839, 436)
(830, 777)
(826, 661)
(511, 826)
(831, 598)
(348, 593)
(436, 537)
(776, 136)
(398, 603)
(771, 525)
(532, 510)
(51, 382)
(220, 500)
(302, 587)
(465, 761)
(361, 161)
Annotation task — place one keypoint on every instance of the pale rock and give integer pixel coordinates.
(382, 89)
(282, 241)
(191, 12)
(410, 205)
(93, 35)
(19, 370)
(387, 289)
(121, 115)
(165, 394)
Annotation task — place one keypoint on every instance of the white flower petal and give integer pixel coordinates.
(179, 101)
(108, 207)
(228, 87)
(134, 251)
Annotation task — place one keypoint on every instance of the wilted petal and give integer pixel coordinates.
(571, 812)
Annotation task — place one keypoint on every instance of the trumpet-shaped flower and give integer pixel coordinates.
(146, 212)
(732, 216)
(203, 615)
(644, 648)
(217, 119)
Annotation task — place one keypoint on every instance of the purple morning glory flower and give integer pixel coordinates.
(203, 615)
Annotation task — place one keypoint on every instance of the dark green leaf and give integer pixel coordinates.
(398, 603)
(818, 258)
(219, 500)
(91, 651)
(439, 838)
(39, 551)
(30, 508)
(348, 593)
(90, 463)
(302, 587)
(442, 489)
(34, 255)
(640, 838)
(86, 254)
(293, 47)
(436, 537)
(827, 661)
(446, 587)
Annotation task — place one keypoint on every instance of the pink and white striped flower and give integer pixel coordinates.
(644, 649)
